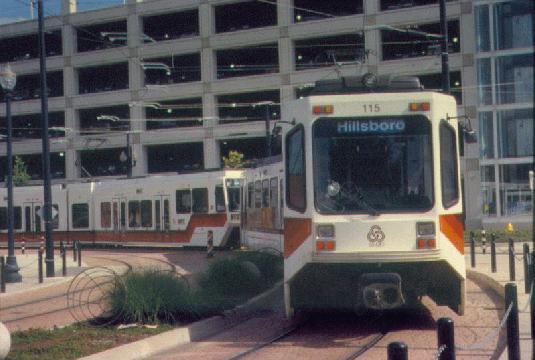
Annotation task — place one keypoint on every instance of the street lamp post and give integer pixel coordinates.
(8, 79)
(267, 120)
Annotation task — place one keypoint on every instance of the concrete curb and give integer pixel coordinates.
(487, 280)
(199, 330)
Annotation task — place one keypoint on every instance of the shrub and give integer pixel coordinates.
(150, 295)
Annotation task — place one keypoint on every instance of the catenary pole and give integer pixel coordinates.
(444, 48)
(47, 204)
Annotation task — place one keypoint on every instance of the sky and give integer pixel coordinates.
(19, 10)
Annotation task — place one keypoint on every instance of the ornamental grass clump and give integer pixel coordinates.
(150, 296)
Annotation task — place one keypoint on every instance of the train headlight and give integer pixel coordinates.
(325, 231)
(425, 229)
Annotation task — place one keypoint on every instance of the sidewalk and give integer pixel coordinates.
(499, 279)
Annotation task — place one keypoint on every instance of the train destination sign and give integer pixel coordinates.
(371, 126)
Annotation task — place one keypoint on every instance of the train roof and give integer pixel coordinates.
(367, 83)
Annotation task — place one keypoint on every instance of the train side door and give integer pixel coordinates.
(32, 217)
(119, 214)
(161, 213)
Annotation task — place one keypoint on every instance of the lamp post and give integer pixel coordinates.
(8, 79)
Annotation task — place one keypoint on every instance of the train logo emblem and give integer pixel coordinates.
(376, 236)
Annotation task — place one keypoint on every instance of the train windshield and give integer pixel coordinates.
(373, 165)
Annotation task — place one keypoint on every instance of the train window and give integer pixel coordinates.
(250, 192)
(200, 200)
(134, 214)
(274, 198)
(18, 217)
(55, 219)
(219, 199)
(38, 219)
(448, 165)
(3, 218)
(295, 169)
(146, 213)
(157, 215)
(257, 194)
(183, 201)
(123, 214)
(233, 194)
(265, 193)
(80, 216)
(105, 215)
(166, 214)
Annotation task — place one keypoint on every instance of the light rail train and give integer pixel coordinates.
(155, 210)
(372, 215)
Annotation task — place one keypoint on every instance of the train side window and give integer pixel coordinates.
(55, 219)
(448, 165)
(123, 214)
(183, 201)
(295, 169)
(38, 219)
(80, 216)
(18, 217)
(27, 218)
(274, 194)
(219, 199)
(258, 194)
(265, 193)
(105, 215)
(146, 213)
(200, 200)
(250, 194)
(3, 218)
(134, 214)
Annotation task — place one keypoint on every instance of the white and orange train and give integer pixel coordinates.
(372, 215)
(176, 209)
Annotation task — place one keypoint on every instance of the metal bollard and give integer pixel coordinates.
(513, 343)
(512, 274)
(527, 277)
(2, 274)
(63, 253)
(74, 251)
(40, 265)
(446, 339)
(397, 351)
(493, 252)
(472, 249)
(483, 241)
(23, 247)
(79, 246)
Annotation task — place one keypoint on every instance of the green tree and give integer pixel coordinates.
(20, 173)
(234, 160)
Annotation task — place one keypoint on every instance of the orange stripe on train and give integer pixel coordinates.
(296, 231)
(173, 236)
(453, 228)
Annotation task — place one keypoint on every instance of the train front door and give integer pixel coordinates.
(119, 214)
(161, 212)
(32, 219)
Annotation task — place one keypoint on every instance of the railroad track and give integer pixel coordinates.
(361, 348)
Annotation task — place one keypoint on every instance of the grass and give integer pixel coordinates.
(152, 296)
(502, 235)
(73, 341)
